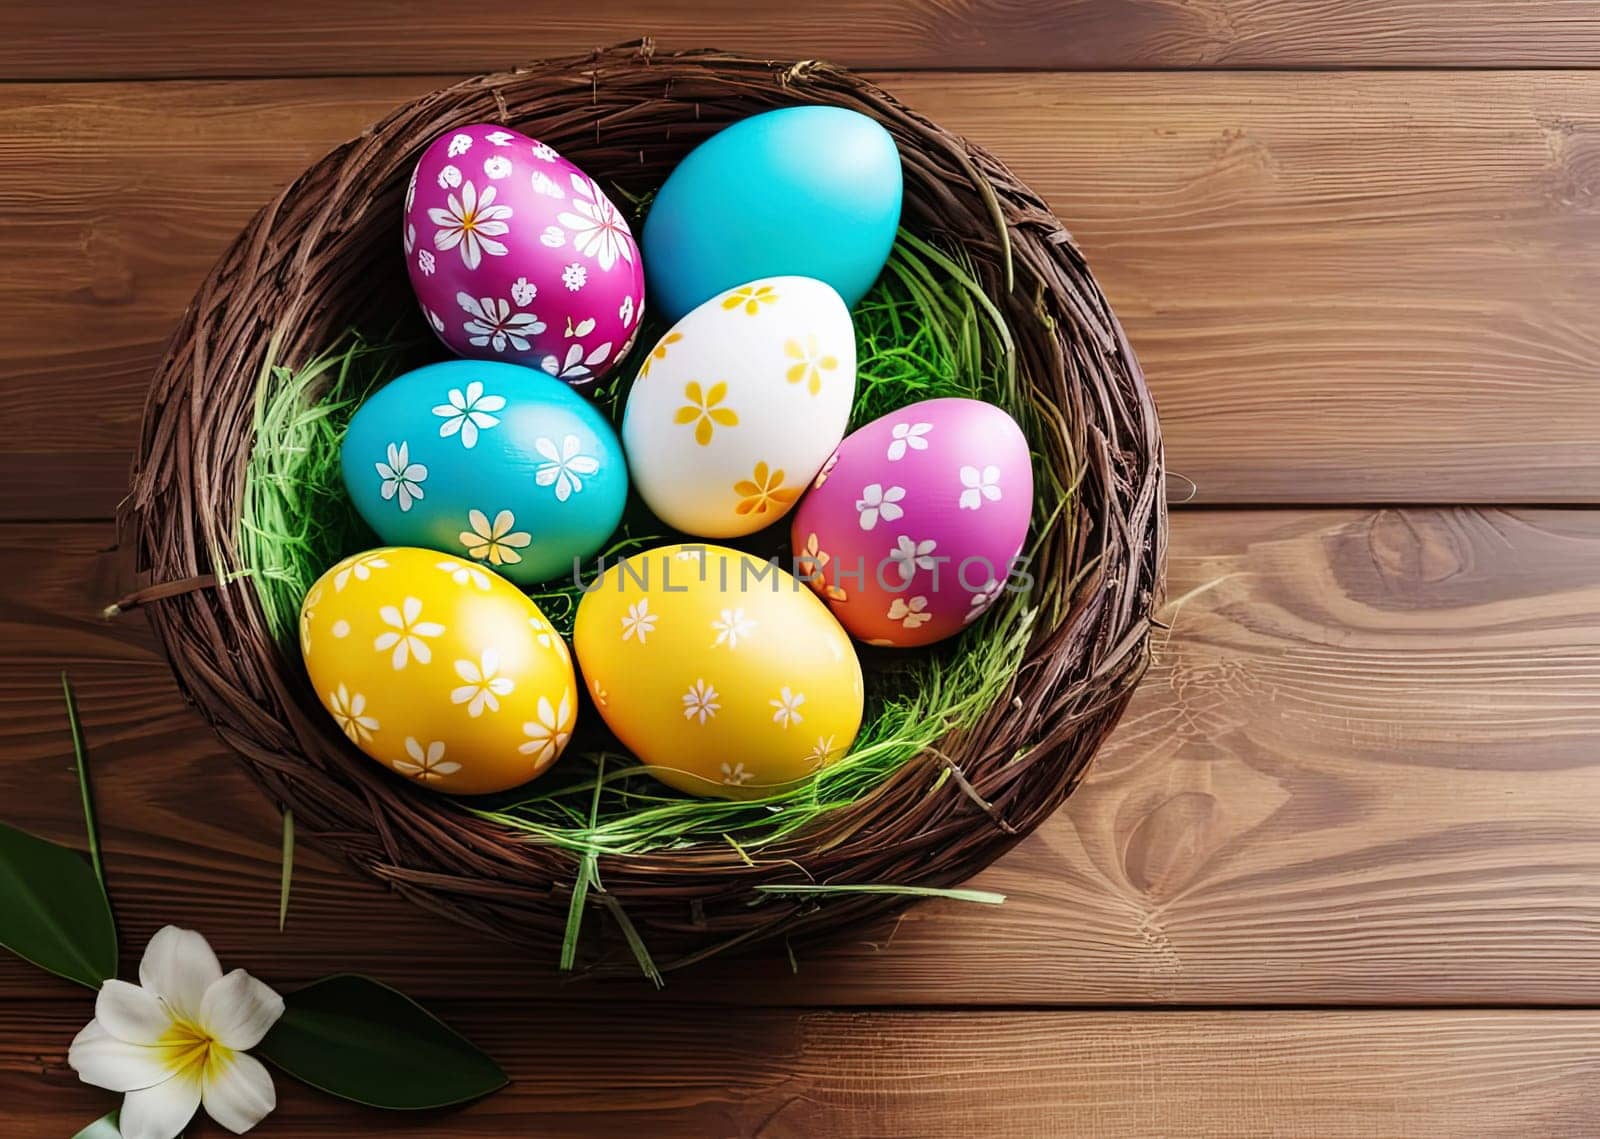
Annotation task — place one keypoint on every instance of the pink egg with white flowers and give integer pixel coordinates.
(915, 527)
(517, 255)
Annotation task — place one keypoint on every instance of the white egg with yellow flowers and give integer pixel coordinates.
(739, 404)
(721, 672)
(439, 669)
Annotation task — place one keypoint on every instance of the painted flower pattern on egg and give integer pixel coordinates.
(524, 245)
(739, 404)
(696, 653)
(915, 531)
(445, 674)
(490, 463)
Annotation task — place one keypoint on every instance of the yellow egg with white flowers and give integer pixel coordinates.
(442, 671)
(724, 674)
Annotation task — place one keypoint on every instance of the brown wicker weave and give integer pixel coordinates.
(323, 256)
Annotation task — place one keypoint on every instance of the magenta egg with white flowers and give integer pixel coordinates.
(915, 527)
(516, 254)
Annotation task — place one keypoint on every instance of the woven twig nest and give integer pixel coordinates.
(323, 256)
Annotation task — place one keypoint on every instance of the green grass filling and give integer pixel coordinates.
(927, 329)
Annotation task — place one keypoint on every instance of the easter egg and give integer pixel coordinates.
(739, 404)
(491, 462)
(439, 670)
(515, 254)
(913, 528)
(810, 191)
(721, 672)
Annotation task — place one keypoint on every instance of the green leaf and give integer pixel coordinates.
(359, 1040)
(52, 910)
(287, 874)
(103, 1128)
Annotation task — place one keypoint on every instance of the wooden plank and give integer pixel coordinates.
(1363, 770)
(169, 38)
(1344, 287)
(669, 1071)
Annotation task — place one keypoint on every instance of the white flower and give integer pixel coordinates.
(912, 435)
(405, 633)
(788, 707)
(410, 241)
(359, 567)
(341, 628)
(822, 752)
(496, 543)
(544, 184)
(735, 775)
(544, 153)
(577, 365)
(523, 291)
(625, 310)
(563, 467)
(981, 486)
(468, 412)
(910, 614)
(499, 138)
(497, 166)
(349, 710)
(574, 277)
(911, 556)
(598, 230)
(472, 223)
(731, 625)
(553, 237)
(876, 502)
(597, 690)
(435, 319)
(483, 684)
(700, 701)
(426, 764)
(411, 190)
(178, 1039)
(493, 323)
(460, 144)
(548, 734)
(426, 263)
(639, 622)
(449, 177)
(401, 477)
(980, 601)
(462, 574)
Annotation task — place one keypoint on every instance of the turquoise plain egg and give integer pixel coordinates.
(802, 191)
(488, 462)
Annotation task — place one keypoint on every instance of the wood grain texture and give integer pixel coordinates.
(675, 1071)
(1362, 771)
(1344, 287)
(100, 39)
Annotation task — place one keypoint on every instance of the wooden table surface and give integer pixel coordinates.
(1337, 873)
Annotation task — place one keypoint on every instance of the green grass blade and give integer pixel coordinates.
(80, 759)
(286, 873)
(641, 952)
(982, 897)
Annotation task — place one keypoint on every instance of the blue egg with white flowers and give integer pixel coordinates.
(801, 191)
(487, 461)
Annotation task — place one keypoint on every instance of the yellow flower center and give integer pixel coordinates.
(192, 1053)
